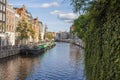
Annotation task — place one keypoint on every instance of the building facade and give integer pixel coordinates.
(2, 22)
(41, 30)
(29, 16)
(36, 29)
(10, 24)
(62, 35)
(2, 15)
(22, 12)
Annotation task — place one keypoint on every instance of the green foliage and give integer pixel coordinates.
(81, 26)
(40, 36)
(31, 31)
(23, 29)
(102, 39)
(49, 36)
(81, 5)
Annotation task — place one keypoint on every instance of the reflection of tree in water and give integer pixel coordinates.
(26, 67)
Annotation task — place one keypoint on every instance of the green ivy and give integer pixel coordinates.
(102, 39)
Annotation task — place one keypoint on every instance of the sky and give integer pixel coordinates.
(56, 14)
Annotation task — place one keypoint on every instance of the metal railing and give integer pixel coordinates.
(9, 50)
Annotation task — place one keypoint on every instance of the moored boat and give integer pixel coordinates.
(37, 49)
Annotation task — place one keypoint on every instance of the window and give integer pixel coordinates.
(4, 8)
(0, 6)
(0, 0)
(3, 17)
(4, 27)
(0, 16)
(0, 27)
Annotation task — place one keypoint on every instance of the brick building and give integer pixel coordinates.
(22, 12)
(36, 26)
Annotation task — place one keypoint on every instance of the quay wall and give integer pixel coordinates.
(6, 51)
(77, 42)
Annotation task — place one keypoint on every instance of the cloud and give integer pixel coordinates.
(56, 12)
(16, 4)
(45, 5)
(67, 17)
(69, 21)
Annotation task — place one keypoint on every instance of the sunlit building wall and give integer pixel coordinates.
(10, 24)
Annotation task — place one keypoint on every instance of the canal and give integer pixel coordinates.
(64, 62)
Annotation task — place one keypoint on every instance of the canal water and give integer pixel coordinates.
(64, 62)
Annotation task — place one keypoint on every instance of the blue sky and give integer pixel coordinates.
(56, 14)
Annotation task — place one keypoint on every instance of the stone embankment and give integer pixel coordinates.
(6, 51)
(78, 42)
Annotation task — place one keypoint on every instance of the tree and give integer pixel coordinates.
(81, 5)
(31, 31)
(24, 29)
(102, 42)
(49, 35)
(81, 25)
(40, 36)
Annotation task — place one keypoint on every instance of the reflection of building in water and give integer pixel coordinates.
(9, 67)
(16, 68)
(26, 64)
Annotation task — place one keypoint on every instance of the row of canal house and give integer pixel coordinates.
(67, 35)
(9, 18)
(62, 35)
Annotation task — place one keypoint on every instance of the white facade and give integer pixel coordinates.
(42, 34)
(11, 38)
(62, 35)
(3, 39)
(57, 36)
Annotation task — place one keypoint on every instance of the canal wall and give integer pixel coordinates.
(77, 42)
(6, 51)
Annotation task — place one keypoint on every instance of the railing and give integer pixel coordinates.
(8, 50)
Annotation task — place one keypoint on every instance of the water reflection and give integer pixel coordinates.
(77, 61)
(64, 62)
